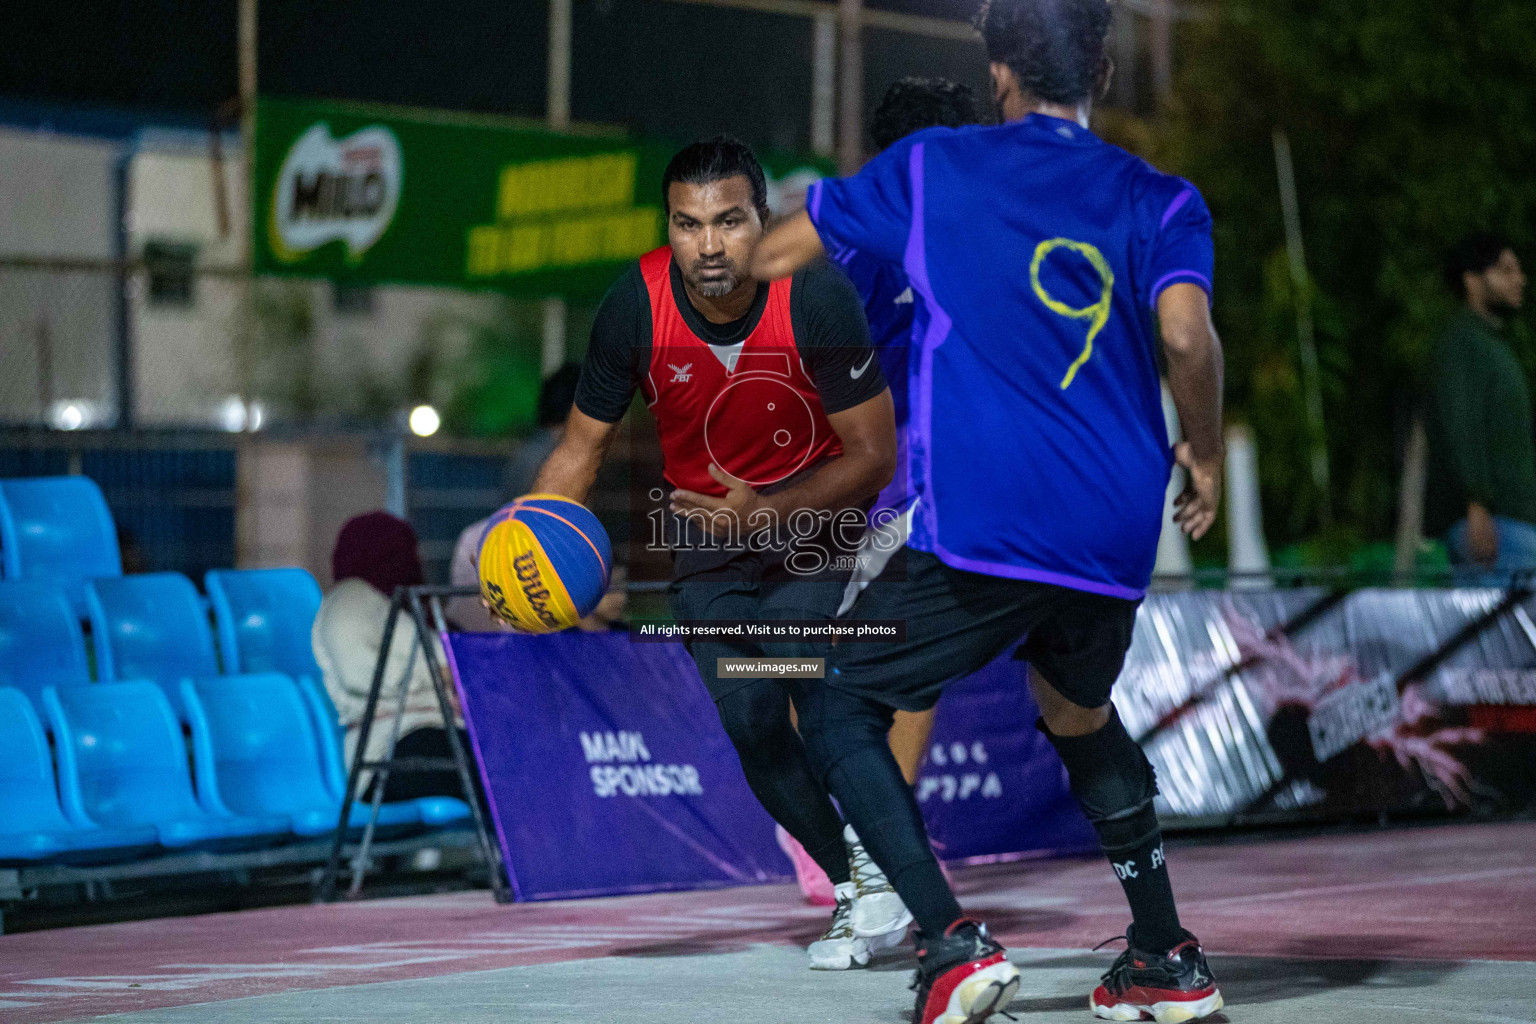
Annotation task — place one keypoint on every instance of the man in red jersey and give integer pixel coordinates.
(771, 409)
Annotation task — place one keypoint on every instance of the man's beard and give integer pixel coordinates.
(1503, 305)
(714, 287)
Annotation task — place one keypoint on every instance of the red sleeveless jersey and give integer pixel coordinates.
(761, 420)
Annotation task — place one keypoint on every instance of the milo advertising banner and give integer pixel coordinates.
(374, 195)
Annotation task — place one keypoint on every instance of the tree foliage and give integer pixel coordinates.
(1413, 122)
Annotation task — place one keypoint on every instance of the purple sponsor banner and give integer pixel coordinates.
(992, 785)
(606, 767)
(608, 772)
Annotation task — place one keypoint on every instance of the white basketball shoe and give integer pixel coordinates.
(879, 917)
(839, 948)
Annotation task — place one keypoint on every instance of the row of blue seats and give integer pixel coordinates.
(124, 787)
(154, 629)
(57, 530)
(155, 626)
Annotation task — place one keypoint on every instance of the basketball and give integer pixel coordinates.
(544, 563)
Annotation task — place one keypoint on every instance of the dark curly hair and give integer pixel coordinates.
(716, 159)
(1055, 47)
(1475, 254)
(913, 103)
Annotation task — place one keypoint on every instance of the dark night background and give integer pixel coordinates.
(676, 70)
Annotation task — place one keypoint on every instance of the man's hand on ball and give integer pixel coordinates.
(724, 517)
(500, 619)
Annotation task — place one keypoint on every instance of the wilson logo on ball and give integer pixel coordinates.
(527, 569)
(544, 563)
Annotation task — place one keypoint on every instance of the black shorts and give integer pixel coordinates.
(753, 588)
(958, 622)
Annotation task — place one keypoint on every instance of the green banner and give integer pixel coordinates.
(375, 195)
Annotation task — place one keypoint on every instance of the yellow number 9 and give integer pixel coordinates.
(1097, 314)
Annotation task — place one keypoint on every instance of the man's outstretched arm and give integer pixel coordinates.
(1195, 378)
(572, 467)
(788, 246)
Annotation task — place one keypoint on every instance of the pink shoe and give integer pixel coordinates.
(814, 882)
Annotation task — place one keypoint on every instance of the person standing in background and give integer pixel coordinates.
(1481, 484)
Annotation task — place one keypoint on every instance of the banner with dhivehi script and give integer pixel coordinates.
(365, 194)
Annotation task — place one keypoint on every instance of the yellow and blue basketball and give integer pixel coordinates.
(544, 563)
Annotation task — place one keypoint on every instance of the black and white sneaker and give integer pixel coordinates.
(1168, 988)
(880, 918)
(839, 949)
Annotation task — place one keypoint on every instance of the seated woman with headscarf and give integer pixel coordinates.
(374, 554)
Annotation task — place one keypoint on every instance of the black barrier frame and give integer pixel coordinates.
(1517, 592)
(409, 601)
(1284, 630)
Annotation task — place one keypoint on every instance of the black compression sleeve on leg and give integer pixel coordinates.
(773, 758)
(847, 740)
(1112, 780)
(1115, 784)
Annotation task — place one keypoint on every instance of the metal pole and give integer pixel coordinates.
(247, 104)
(824, 85)
(552, 355)
(557, 110)
(359, 753)
(1162, 50)
(850, 121)
(123, 297)
(488, 846)
(558, 103)
(380, 779)
(1125, 57)
(1410, 503)
(396, 476)
(1311, 380)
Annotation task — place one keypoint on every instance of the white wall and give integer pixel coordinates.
(56, 201)
(188, 358)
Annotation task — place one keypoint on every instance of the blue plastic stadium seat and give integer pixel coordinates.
(123, 763)
(57, 529)
(150, 627)
(257, 754)
(442, 811)
(434, 811)
(264, 619)
(32, 827)
(40, 640)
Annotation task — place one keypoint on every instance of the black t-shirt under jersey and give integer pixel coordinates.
(830, 332)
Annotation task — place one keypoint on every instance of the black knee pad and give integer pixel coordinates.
(1113, 782)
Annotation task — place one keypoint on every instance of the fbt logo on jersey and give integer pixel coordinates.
(335, 190)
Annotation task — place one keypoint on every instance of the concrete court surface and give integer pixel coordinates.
(1427, 924)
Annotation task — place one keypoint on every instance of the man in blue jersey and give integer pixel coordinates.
(1046, 261)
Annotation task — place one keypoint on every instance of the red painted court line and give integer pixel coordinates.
(1457, 893)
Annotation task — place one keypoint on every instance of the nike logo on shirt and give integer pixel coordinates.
(856, 374)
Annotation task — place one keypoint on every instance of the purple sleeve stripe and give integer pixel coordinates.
(1181, 275)
(1178, 204)
(813, 203)
(916, 258)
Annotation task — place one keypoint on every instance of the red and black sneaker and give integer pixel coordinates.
(1169, 989)
(963, 977)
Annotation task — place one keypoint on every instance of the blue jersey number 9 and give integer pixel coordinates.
(1097, 314)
